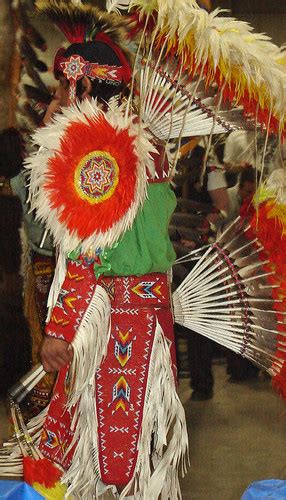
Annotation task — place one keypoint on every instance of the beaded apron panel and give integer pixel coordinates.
(136, 305)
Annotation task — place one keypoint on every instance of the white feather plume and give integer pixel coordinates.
(117, 5)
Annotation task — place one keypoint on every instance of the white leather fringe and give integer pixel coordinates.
(163, 442)
(11, 458)
(90, 347)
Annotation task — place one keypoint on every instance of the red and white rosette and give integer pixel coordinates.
(88, 179)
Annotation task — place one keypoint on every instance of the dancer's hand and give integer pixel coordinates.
(55, 354)
(53, 108)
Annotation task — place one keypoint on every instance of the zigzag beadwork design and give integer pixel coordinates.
(143, 371)
(123, 347)
(99, 392)
(119, 429)
(105, 464)
(66, 300)
(59, 321)
(50, 439)
(76, 277)
(134, 443)
(121, 310)
(120, 371)
(121, 395)
(136, 419)
(101, 419)
(101, 424)
(78, 319)
(103, 441)
(147, 290)
(150, 325)
(130, 466)
(126, 293)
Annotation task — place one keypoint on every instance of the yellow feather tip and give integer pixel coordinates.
(278, 212)
(263, 194)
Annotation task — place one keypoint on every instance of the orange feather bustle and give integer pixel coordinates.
(41, 471)
(80, 139)
(271, 235)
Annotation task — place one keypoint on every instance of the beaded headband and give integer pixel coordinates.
(75, 67)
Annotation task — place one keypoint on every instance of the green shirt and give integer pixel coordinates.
(146, 247)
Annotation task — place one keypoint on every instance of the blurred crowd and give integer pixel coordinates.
(211, 192)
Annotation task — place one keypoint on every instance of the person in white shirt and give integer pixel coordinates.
(244, 189)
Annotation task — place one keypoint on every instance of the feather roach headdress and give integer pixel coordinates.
(97, 40)
(82, 22)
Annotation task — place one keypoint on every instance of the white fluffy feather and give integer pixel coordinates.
(117, 5)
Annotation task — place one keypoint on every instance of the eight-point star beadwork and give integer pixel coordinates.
(96, 176)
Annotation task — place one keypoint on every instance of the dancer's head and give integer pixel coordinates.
(96, 62)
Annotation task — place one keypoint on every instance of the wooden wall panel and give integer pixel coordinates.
(258, 6)
(6, 54)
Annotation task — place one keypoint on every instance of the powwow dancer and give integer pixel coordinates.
(100, 183)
